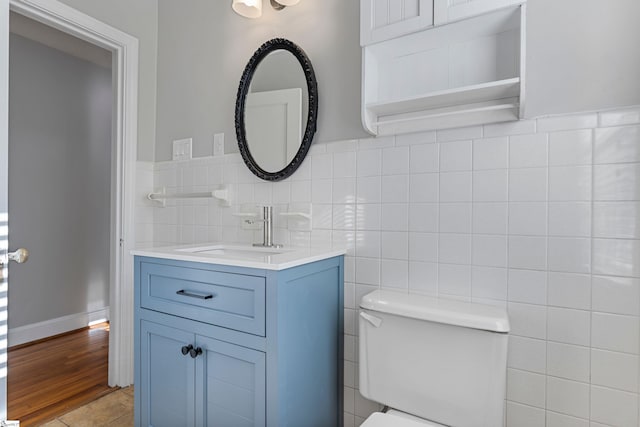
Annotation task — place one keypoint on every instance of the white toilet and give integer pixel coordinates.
(433, 362)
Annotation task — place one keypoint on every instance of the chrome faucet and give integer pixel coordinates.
(267, 234)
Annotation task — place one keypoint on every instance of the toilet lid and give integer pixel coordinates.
(378, 419)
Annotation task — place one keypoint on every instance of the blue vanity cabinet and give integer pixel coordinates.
(263, 347)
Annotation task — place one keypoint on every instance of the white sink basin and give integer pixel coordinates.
(242, 255)
(232, 251)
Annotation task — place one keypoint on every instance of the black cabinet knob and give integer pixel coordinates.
(195, 352)
(186, 349)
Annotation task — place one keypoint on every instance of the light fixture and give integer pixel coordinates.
(253, 8)
(247, 8)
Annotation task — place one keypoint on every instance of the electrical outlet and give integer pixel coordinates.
(218, 144)
(182, 149)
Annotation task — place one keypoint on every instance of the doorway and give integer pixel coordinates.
(124, 49)
(60, 167)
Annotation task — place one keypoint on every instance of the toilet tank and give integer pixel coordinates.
(437, 359)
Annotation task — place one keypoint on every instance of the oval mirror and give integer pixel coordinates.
(276, 110)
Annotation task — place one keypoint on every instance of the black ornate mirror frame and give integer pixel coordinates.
(243, 89)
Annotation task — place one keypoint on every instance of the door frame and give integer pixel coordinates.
(123, 172)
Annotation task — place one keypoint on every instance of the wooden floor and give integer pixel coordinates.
(51, 377)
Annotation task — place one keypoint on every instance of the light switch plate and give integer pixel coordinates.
(182, 149)
(218, 144)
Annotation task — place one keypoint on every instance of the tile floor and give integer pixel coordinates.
(112, 410)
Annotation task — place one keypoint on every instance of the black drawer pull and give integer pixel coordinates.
(194, 295)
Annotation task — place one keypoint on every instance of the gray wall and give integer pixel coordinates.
(138, 18)
(581, 55)
(203, 47)
(59, 182)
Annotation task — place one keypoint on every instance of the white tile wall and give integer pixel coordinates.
(144, 210)
(539, 216)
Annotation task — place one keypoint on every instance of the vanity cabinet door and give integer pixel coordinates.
(167, 392)
(233, 384)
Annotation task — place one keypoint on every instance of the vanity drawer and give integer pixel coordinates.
(234, 301)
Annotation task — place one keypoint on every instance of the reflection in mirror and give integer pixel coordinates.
(276, 110)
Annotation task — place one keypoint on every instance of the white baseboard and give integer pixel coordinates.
(36, 331)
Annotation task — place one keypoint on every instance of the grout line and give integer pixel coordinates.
(507, 260)
(546, 346)
(591, 255)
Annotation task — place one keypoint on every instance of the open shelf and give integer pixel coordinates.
(502, 89)
(449, 117)
(464, 73)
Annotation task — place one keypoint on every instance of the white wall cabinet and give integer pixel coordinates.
(386, 19)
(464, 67)
(454, 10)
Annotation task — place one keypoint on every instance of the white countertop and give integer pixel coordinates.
(238, 255)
